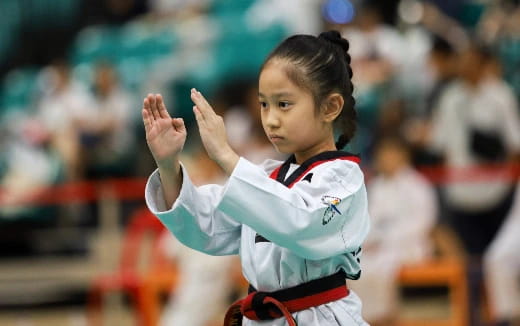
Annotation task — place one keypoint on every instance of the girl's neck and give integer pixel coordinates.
(303, 156)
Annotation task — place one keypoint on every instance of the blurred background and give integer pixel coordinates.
(437, 85)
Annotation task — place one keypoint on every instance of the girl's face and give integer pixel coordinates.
(289, 117)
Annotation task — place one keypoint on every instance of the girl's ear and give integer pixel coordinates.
(332, 107)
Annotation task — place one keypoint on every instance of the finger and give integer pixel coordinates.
(205, 101)
(178, 124)
(147, 121)
(147, 108)
(153, 107)
(205, 109)
(162, 108)
(198, 115)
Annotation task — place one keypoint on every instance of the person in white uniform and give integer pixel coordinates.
(297, 225)
(502, 269)
(403, 208)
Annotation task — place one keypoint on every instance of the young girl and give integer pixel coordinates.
(297, 225)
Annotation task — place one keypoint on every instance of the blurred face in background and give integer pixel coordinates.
(105, 79)
(471, 66)
(368, 18)
(61, 75)
(251, 103)
(441, 64)
(391, 156)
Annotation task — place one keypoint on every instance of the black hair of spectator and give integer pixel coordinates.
(442, 46)
(385, 10)
(483, 50)
(396, 141)
(234, 92)
(322, 66)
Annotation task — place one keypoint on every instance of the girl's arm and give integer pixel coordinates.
(213, 133)
(193, 217)
(188, 212)
(165, 137)
(319, 219)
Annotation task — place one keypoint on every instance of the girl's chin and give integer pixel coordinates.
(282, 149)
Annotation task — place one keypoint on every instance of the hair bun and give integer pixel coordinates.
(335, 37)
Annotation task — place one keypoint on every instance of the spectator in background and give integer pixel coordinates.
(402, 206)
(442, 63)
(108, 136)
(178, 8)
(502, 270)
(500, 28)
(27, 165)
(64, 111)
(377, 52)
(477, 122)
(304, 17)
(375, 47)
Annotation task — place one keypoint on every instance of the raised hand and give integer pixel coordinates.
(165, 136)
(213, 133)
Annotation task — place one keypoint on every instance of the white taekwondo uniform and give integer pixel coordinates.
(309, 227)
(502, 266)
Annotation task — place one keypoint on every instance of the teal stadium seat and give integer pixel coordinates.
(226, 6)
(132, 48)
(146, 42)
(237, 53)
(95, 43)
(509, 54)
(18, 89)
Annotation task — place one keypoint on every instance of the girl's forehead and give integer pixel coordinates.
(274, 79)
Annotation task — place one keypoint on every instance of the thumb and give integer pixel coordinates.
(178, 124)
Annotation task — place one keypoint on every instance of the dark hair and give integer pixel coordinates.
(442, 46)
(322, 66)
(484, 51)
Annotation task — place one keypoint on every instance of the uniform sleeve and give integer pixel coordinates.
(419, 216)
(511, 122)
(193, 218)
(297, 218)
(443, 122)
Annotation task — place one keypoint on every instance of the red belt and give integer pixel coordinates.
(271, 305)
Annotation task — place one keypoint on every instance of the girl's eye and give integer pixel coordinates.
(284, 105)
(263, 105)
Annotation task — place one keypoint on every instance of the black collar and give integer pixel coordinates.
(280, 173)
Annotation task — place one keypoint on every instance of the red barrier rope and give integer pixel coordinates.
(80, 192)
(133, 188)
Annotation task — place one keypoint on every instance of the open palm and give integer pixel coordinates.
(165, 136)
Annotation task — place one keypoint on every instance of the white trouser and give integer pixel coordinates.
(204, 289)
(502, 266)
(377, 286)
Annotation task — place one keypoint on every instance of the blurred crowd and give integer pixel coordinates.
(437, 85)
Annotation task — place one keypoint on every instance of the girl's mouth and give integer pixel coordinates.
(275, 138)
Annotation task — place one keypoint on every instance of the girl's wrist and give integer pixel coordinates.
(227, 160)
(170, 166)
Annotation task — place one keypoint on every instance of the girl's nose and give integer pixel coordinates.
(271, 119)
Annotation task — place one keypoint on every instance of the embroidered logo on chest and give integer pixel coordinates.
(332, 208)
